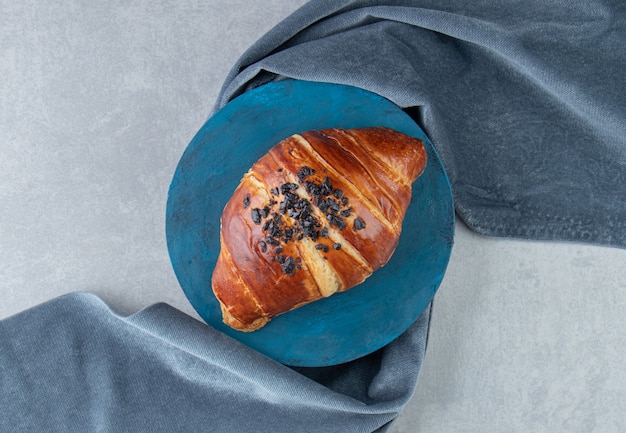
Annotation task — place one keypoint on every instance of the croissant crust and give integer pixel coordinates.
(316, 215)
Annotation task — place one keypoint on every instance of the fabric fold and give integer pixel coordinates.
(72, 364)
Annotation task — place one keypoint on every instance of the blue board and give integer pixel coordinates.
(344, 326)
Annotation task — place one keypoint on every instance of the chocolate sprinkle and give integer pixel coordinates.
(305, 172)
(321, 247)
(288, 266)
(256, 215)
(302, 223)
(359, 224)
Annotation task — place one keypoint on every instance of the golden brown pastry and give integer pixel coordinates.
(316, 215)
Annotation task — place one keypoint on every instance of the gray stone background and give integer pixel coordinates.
(98, 100)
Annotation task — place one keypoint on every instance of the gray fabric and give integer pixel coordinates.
(73, 365)
(525, 102)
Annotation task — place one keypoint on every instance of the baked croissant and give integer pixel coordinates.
(316, 215)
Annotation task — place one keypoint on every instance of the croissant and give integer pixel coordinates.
(316, 215)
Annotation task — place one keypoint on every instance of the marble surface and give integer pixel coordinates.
(98, 102)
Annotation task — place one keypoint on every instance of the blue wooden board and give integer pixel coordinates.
(344, 326)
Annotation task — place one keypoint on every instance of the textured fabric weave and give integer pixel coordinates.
(73, 365)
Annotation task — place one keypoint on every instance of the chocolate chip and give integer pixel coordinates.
(288, 266)
(302, 222)
(359, 224)
(305, 172)
(337, 222)
(288, 187)
(256, 215)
